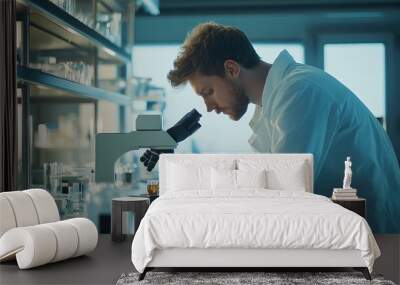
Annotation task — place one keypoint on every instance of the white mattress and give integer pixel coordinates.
(250, 219)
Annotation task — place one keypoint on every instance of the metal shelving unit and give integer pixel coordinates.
(35, 76)
(53, 42)
(54, 18)
(74, 80)
(114, 5)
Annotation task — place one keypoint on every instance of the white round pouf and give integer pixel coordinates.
(87, 235)
(23, 208)
(6, 215)
(45, 205)
(31, 233)
(33, 246)
(67, 240)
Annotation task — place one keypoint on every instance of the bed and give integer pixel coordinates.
(245, 211)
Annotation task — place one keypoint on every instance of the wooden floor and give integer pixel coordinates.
(111, 259)
(389, 263)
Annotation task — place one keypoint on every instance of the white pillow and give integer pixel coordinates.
(235, 179)
(186, 174)
(251, 179)
(183, 177)
(223, 179)
(281, 174)
(290, 179)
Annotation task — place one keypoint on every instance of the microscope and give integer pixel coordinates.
(148, 134)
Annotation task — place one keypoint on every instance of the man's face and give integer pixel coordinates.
(221, 94)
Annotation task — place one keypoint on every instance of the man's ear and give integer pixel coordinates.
(232, 68)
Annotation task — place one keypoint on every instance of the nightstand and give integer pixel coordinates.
(151, 197)
(358, 205)
(136, 205)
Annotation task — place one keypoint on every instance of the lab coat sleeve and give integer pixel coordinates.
(305, 120)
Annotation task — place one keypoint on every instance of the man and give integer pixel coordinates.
(299, 109)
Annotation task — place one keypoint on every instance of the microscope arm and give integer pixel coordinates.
(110, 146)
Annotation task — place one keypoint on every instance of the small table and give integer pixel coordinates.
(136, 205)
(358, 205)
(151, 197)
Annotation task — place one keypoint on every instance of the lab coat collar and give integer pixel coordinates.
(276, 73)
(256, 116)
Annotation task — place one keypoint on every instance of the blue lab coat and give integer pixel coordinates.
(305, 110)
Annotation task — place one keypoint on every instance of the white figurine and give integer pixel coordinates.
(347, 174)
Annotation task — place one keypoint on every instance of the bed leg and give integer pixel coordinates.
(143, 274)
(364, 271)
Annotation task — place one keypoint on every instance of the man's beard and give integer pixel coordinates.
(241, 102)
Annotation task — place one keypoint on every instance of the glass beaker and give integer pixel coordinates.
(152, 187)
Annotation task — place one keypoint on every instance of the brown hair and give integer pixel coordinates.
(207, 47)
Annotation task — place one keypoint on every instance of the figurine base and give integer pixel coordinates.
(344, 189)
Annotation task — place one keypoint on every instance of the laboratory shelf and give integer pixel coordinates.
(151, 6)
(38, 77)
(115, 5)
(55, 18)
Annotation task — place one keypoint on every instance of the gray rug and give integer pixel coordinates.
(228, 278)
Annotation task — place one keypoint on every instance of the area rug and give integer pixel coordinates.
(243, 278)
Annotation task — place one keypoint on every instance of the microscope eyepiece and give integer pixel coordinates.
(185, 126)
(180, 131)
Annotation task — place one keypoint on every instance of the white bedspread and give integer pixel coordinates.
(250, 218)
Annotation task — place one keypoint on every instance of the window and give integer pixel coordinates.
(268, 52)
(361, 67)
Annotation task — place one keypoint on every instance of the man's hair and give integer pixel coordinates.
(207, 47)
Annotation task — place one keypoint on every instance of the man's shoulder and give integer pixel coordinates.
(297, 83)
(306, 78)
(301, 87)
(304, 75)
